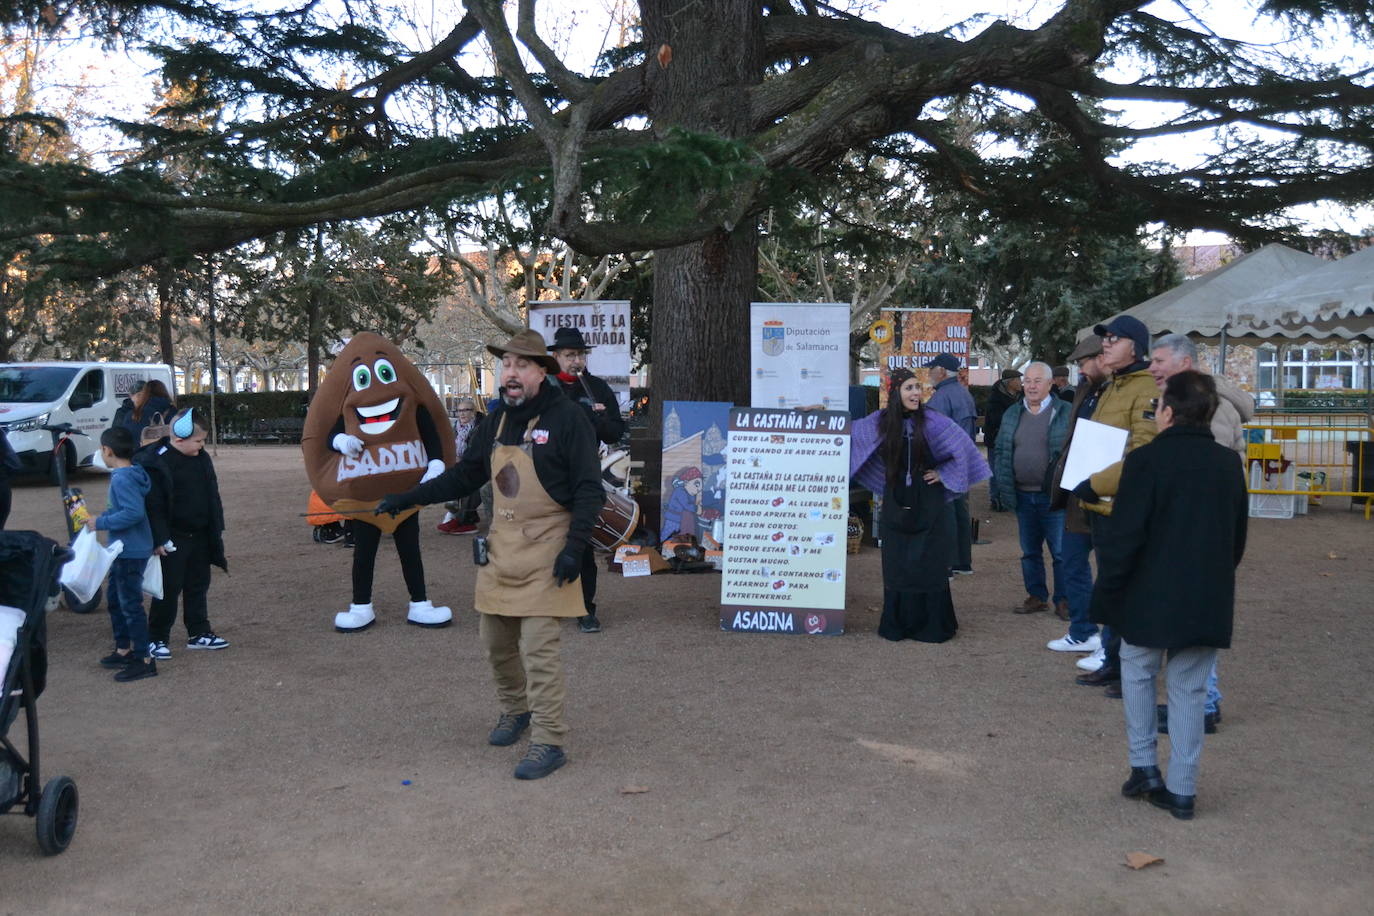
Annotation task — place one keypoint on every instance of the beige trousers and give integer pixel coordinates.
(527, 664)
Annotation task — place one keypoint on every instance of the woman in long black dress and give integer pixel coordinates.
(920, 461)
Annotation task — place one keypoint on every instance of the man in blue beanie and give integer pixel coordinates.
(1128, 401)
(953, 400)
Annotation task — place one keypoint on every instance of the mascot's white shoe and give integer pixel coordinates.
(425, 614)
(357, 617)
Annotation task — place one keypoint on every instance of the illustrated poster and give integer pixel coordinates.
(799, 354)
(920, 335)
(785, 522)
(605, 325)
(694, 471)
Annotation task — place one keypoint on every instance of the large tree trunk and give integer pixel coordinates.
(700, 53)
(702, 291)
(164, 318)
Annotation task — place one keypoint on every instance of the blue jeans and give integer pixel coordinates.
(1213, 694)
(125, 596)
(1078, 582)
(1039, 525)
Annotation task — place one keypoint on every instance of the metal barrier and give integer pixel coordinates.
(1292, 465)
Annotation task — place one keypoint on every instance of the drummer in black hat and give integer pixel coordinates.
(570, 348)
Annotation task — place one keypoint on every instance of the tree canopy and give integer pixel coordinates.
(679, 140)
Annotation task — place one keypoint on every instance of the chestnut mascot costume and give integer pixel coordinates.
(373, 428)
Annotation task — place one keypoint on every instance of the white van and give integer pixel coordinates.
(86, 395)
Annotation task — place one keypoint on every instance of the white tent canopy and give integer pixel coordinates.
(1335, 302)
(1199, 308)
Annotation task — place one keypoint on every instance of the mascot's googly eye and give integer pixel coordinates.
(386, 373)
(362, 377)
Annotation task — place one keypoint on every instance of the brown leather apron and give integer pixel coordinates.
(528, 532)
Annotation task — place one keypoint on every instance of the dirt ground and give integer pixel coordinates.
(785, 774)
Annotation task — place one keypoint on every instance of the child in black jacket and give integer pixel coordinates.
(185, 510)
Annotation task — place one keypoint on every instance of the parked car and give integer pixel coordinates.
(85, 395)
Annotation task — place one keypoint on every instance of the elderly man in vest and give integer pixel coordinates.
(1029, 443)
(539, 450)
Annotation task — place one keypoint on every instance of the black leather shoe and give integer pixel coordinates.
(1099, 678)
(1143, 779)
(508, 728)
(1113, 691)
(1180, 806)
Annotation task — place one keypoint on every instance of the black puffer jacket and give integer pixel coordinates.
(1166, 563)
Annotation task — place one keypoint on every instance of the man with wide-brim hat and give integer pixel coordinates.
(570, 348)
(539, 451)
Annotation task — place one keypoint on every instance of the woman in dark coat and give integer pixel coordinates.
(920, 461)
(1166, 581)
(143, 406)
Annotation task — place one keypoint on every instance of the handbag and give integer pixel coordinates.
(157, 429)
(152, 576)
(89, 565)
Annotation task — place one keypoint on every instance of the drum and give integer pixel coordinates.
(617, 521)
(615, 466)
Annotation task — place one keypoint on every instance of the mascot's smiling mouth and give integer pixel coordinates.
(378, 418)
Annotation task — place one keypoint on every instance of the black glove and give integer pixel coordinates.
(393, 504)
(1085, 492)
(568, 566)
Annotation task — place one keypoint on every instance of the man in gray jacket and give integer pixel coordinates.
(953, 400)
(1172, 354)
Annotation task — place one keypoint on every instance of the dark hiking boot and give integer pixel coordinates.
(540, 760)
(508, 728)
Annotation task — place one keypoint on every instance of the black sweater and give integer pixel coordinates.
(566, 461)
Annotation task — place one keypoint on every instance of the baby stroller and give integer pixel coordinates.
(29, 564)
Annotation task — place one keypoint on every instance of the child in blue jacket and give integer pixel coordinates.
(127, 520)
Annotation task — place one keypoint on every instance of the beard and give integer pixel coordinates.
(512, 401)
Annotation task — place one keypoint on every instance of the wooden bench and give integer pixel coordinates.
(280, 430)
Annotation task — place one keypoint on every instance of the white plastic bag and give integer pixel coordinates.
(83, 574)
(152, 576)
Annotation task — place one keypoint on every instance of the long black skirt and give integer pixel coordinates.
(916, 599)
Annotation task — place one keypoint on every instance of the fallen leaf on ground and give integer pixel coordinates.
(1139, 860)
(1334, 556)
(634, 790)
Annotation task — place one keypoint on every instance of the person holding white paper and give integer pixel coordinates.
(1127, 402)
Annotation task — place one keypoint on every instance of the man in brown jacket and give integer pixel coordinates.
(1077, 541)
(1128, 402)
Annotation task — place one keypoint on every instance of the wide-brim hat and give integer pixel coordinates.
(568, 339)
(529, 344)
(1088, 346)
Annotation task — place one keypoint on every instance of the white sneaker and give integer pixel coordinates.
(357, 617)
(207, 640)
(425, 614)
(1094, 661)
(1067, 643)
(158, 650)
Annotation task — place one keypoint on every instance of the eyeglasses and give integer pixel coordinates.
(466, 410)
(1111, 339)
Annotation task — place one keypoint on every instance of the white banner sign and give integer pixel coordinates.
(799, 355)
(605, 325)
(786, 520)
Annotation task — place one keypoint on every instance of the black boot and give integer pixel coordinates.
(1143, 779)
(1180, 806)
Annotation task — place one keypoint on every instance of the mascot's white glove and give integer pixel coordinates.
(436, 467)
(351, 446)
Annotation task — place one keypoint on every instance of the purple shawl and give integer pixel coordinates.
(957, 459)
